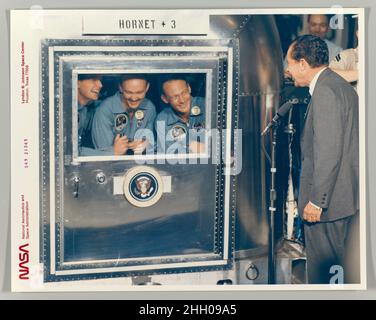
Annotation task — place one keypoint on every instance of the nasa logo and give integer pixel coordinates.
(23, 257)
(143, 186)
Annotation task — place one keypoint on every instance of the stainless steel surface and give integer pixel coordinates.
(260, 81)
(88, 227)
(94, 224)
(101, 177)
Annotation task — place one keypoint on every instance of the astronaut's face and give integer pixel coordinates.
(88, 90)
(133, 92)
(177, 93)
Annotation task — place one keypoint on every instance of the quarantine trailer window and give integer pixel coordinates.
(130, 114)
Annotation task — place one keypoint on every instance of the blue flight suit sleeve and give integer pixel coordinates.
(102, 130)
(150, 115)
(163, 126)
(198, 123)
(151, 120)
(150, 127)
(146, 127)
(161, 132)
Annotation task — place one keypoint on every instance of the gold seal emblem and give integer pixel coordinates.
(143, 186)
(139, 115)
(196, 111)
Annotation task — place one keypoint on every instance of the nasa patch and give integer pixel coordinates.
(143, 186)
(121, 121)
(178, 132)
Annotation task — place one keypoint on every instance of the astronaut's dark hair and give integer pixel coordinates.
(131, 76)
(312, 49)
(172, 77)
(87, 76)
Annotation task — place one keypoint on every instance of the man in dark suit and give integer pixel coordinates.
(329, 193)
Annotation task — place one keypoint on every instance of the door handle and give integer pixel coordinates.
(76, 184)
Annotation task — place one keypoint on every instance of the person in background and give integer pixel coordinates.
(346, 64)
(318, 25)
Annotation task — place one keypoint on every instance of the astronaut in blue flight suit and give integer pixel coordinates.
(180, 127)
(88, 90)
(127, 116)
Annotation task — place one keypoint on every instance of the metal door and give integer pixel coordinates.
(90, 229)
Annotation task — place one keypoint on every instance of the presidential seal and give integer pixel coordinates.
(143, 186)
(121, 121)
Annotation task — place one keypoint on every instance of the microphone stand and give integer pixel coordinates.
(272, 209)
(286, 107)
(290, 201)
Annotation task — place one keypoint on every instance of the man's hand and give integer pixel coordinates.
(197, 147)
(120, 145)
(138, 146)
(311, 213)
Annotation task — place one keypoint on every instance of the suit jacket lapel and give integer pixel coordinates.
(321, 76)
(305, 122)
(308, 108)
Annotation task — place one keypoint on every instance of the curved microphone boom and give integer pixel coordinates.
(282, 111)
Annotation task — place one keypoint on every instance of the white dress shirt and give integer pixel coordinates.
(312, 84)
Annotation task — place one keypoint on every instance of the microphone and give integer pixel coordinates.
(280, 113)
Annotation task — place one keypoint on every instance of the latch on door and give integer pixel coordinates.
(76, 182)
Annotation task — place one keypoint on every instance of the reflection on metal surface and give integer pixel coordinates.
(260, 81)
(192, 226)
(101, 178)
(188, 228)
